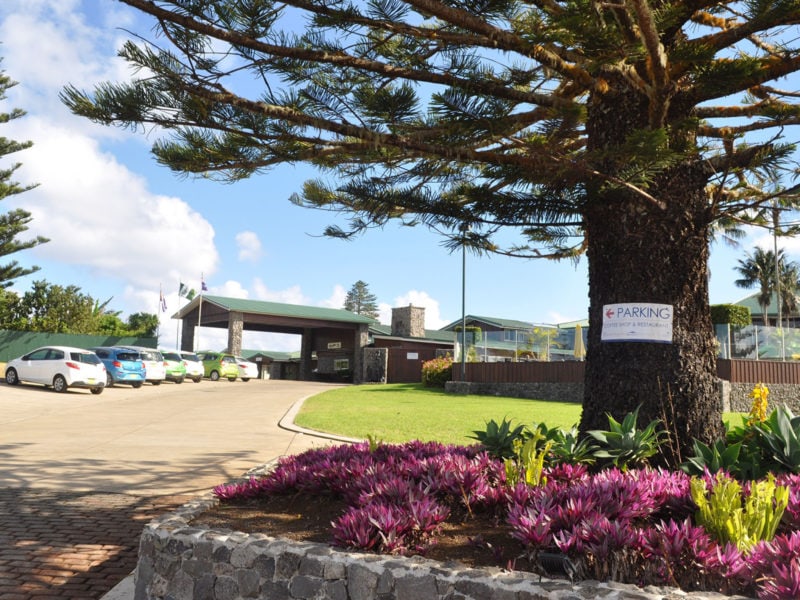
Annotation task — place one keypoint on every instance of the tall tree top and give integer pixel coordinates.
(469, 116)
(361, 301)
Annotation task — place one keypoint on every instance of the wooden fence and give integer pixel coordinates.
(735, 371)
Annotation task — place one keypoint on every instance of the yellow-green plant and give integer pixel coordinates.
(528, 462)
(730, 518)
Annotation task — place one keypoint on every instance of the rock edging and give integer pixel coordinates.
(180, 562)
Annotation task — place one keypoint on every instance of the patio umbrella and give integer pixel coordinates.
(579, 348)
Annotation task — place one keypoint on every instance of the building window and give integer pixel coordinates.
(341, 364)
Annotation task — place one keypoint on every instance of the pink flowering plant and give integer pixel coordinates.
(633, 524)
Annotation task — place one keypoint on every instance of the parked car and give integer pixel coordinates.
(247, 369)
(123, 365)
(218, 365)
(176, 368)
(194, 366)
(156, 369)
(59, 367)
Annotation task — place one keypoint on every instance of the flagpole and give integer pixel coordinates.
(199, 313)
(178, 322)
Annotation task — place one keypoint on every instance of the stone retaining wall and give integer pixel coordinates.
(181, 562)
(559, 392)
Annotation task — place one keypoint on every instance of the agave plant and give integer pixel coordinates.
(498, 440)
(624, 444)
(780, 434)
(717, 457)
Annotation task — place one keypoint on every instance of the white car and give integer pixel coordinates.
(194, 366)
(59, 367)
(247, 370)
(154, 365)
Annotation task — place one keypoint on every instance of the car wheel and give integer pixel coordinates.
(156, 382)
(96, 390)
(245, 379)
(231, 378)
(11, 377)
(59, 384)
(214, 376)
(179, 380)
(136, 385)
(197, 379)
(109, 380)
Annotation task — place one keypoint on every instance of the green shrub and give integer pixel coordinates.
(437, 372)
(730, 314)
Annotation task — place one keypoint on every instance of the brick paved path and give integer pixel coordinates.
(70, 544)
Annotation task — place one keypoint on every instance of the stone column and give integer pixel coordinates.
(306, 347)
(235, 328)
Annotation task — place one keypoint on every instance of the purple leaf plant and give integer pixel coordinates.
(634, 526)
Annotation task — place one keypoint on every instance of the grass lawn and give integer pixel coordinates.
(401, 412)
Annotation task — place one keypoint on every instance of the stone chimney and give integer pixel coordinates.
(408, 321)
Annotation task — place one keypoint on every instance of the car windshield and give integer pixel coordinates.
(172, 356)
(191, 357)
(149, 355)
(128, 356)
(90, 358)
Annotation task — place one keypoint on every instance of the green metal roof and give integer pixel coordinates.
(277, 309)
(431, 335)
(493, 321)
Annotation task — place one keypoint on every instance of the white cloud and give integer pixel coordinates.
(249, 246)
(100, 215)
(336, 299)
(291, 295)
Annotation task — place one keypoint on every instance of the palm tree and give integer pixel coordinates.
(789, 276)
(758, 269)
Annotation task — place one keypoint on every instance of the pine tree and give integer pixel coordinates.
(359, 300)
(14, 222)
(619, 130)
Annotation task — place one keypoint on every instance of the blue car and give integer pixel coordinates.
(123, 365)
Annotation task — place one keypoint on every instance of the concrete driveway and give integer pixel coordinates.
(157, 440)
(80, 475)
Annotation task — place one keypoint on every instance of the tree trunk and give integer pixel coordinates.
(639, 252)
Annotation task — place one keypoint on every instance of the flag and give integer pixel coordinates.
(203, 286)
(185, 292)
(162, 301)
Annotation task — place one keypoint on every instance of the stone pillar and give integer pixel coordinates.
(408, 321)
(235, 328)
(306, 348)
(376, 364)
(361, 341)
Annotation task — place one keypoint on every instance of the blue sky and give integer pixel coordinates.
(123, 227)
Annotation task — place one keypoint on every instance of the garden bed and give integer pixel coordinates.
(184, 561)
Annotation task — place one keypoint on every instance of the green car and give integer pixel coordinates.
(218, 365)
(176, 368)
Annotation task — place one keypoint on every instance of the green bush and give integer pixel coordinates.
(730, 314)
(437, 372)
